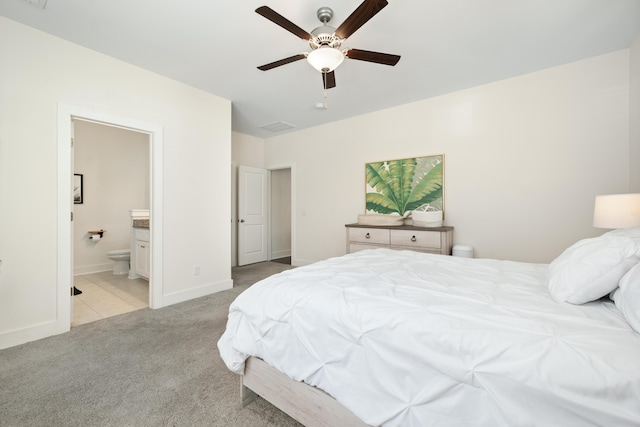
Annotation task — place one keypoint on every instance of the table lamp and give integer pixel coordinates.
(617, 211)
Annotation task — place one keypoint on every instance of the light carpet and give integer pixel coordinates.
(144, 368)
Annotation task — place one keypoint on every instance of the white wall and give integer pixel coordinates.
(39, 72)
(247, 150)
(114, 163)
(634, 114)
(524, 159)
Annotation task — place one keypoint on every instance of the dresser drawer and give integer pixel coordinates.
(416, 239)
(378, 236)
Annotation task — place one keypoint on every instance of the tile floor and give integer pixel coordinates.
(105, 295)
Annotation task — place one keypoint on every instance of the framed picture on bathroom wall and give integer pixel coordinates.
(77, 189)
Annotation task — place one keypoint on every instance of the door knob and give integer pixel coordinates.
(242, 220)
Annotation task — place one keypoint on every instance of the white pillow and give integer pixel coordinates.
(615, 294)
(627, 297)
(632, 232)
(591, 268)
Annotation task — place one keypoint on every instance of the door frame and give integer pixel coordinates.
(234, 210)
(270, 170)
(66, 113)
(292, 167)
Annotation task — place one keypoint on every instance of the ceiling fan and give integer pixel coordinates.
(325, 41)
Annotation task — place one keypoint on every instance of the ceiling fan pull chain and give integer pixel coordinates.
(324, 81)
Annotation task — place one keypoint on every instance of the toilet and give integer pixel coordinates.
(121, 258)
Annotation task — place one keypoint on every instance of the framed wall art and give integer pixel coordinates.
(77, 189)
(400, 186)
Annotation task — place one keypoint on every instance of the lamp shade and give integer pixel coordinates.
(325, 59)
(617, 211)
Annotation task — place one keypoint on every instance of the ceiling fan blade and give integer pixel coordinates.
(284, 61)
(280, 20)
(360, 16)
(329, 80)
(377, 57)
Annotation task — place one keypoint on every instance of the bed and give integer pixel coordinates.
(401, 338)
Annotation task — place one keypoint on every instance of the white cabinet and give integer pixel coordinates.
(142, 256)
(435, 240)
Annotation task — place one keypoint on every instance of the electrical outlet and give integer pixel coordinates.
(196, 270)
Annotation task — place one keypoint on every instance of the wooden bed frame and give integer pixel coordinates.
(304, 403)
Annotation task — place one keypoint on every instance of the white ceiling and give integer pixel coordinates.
(446, 45)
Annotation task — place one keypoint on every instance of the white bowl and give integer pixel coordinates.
(427, 219)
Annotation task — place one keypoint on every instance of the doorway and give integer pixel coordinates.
(273, 198)
(113, 164)
(280, 215)
(66, 115)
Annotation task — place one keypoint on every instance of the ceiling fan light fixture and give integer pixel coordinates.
(325, 59)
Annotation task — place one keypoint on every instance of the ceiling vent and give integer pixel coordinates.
(40, 4)
(277, 126)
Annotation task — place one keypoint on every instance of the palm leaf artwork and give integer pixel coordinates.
(399, 186)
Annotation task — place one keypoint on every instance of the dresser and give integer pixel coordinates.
(435, 240)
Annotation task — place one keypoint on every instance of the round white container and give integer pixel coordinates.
(463, 251)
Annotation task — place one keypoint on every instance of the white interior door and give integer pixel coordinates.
(252, 215)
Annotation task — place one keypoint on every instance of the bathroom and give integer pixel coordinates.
(113, 166)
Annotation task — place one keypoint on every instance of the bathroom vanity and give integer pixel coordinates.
(140, 245)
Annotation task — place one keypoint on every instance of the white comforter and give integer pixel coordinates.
(408, 339)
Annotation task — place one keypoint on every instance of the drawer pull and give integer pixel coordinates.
(413, 238)
(368, 236)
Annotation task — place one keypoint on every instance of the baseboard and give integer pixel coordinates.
(300, 262)
(280, 254)
(33, 333)
(200, 291)
(96, 268)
